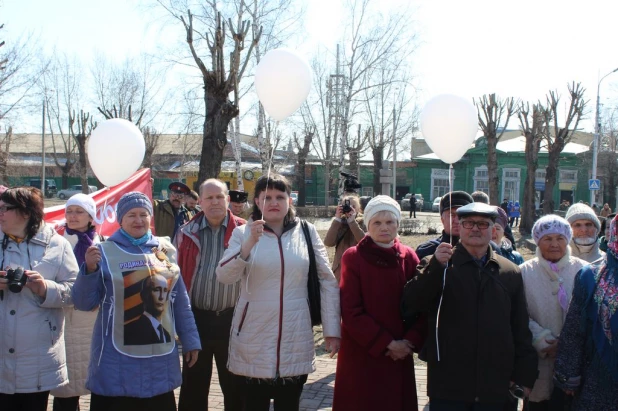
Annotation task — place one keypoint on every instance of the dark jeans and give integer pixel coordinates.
(412, 211)
(446, 405)
(163, 402)
(285, 393)
(34, 401)
(66, 404)
(214, 330)
(559, 401)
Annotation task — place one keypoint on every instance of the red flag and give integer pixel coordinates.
(106, 200)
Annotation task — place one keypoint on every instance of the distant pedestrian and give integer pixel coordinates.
(514, 214)
(505, 206)
(606, 210)
(412, 206)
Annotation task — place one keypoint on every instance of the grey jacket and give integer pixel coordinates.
(32, 350)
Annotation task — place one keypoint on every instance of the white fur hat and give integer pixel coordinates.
(84, 201)
(381, 203)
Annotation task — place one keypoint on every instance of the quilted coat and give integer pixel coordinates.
(77, 338)
(32, 355)
(271, 333)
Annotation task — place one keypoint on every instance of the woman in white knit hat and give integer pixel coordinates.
(375, 368)
(80, 212)
(548, 282)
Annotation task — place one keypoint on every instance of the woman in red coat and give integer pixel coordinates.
(375, 369)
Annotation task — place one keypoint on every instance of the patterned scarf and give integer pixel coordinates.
(84, 240)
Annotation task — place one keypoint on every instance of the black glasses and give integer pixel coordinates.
(469, 225)
(4, 209)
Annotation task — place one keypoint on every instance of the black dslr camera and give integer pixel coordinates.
(16, 279)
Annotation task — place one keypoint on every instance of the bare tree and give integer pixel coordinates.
(303, 152)
(560, 134)
(5, 145)
(534, 129)
(85, 125)
(206, 33)
(608, 159)
(492, 111)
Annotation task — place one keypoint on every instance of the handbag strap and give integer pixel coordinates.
(312, 264)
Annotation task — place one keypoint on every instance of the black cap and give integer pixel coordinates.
(238, 196)
(480, 209)
(455, 199)
(179, 187)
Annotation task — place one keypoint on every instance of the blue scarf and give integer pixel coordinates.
(137, 241)
(84, 240)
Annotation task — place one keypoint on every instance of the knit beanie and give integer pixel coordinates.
(551, 224)
(84, 201)
(131, 200)
(580, 211)
(381, 203)
(502, 218)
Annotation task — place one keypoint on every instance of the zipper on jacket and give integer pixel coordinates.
(280, 307)
(242, 319)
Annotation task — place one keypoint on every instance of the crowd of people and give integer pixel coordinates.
(221, 280)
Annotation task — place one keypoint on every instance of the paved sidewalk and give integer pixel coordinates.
(317, 393)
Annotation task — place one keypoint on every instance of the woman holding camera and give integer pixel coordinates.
(134, 279)
(346, 229)
(80, 231)
(32, 351)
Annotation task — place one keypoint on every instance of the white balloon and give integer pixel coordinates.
(282, 82)
(115, 150)
(449, 124)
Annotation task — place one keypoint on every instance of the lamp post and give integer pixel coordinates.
(43, 150)
(597, 132)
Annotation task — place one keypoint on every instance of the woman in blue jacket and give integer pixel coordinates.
(134, 279)
(514, 213)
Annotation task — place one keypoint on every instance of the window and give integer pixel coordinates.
(439, 182)
(368, 191)
(568, 176)
(481, 181)
(510, 183)
(540, 175)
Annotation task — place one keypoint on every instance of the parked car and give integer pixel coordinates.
(435, 206)
(294, 195)
(418, 198)
(71, 191)
(50, 186)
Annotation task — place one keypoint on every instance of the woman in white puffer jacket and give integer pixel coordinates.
(271, 342)
(80, 231)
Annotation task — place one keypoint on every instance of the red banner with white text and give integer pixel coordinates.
(105, 200)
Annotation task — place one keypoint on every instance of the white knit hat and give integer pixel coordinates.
(551, 224)
(84, 201)
(381, 203)
(580, 211)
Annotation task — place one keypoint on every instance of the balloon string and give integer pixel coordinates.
(257, 246)
(450, 201)
(450, 223)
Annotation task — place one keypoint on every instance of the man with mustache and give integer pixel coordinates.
(170, 214)
(479, 345)
(586, 227)
(200, 244)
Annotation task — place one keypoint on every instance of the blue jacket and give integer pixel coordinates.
(112, 373)
(514, 210)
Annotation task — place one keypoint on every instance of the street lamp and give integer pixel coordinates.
(597, 132)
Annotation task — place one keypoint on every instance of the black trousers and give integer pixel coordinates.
(446, 405)
(163, 402)
(66, 404)
(285, 393)
(559, 401)
(32, 401)
(214, 330)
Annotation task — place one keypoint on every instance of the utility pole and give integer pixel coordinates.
(43, 151)
(395, 153)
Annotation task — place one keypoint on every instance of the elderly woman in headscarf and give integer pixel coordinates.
(587, 359)
(375, 368)
(548, 283)
(504, 244)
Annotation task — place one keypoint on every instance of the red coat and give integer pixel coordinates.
(372, 282)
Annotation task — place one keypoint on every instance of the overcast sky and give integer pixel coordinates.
(470, 48)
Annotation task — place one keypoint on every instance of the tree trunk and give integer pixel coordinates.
(219, 112)
(492, 172)
(378, 152)
(612, 169)
(354, 162)
(550, 181)
(327, 166)
(528, 209)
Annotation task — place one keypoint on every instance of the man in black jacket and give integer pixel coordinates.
(479, 345)
(449, 204)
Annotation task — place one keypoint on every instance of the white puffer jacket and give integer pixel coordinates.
(32, 354)
(77, 338)
(541, 285)
(271, 332)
